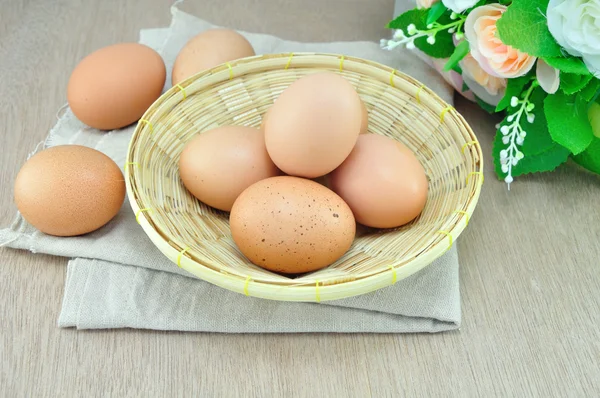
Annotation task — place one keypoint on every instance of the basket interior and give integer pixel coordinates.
(240, 94)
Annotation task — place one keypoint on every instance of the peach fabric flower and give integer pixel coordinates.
(492, 84)
(495, 57)
(426, 3)
(451, 77)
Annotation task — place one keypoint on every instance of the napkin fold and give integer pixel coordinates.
(119, 279)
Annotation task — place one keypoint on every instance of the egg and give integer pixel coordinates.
(207, 50)
(313, 125)
(291, 225)
(382, 181)
(113, 87)
(217, 165)
(69, 190)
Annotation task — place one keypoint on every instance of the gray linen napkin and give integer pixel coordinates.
(119, 279)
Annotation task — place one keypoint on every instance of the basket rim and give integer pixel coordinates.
(318, 291)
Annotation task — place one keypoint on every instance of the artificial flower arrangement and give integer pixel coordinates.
(536, 61)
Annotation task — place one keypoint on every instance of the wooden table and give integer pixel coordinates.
(530, 259)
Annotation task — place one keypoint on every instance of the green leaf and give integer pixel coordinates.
(416, 16)
(457, 69)
(538, 140)
(459, 53)
(590, 158)
(541, 152)
(548, 160)
(568, 65)
(524, 27)
(568, 122)
(444, 45)
(484, 105)
(596, 97)
(465, 88)
(571, 83)
(442, 48)
(589, 91)
(435, 12)
(514, 88)
(594, 118)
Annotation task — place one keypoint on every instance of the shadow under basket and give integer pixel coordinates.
(197, 238)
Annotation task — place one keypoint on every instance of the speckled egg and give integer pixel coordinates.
(291, 225)
(69, 190)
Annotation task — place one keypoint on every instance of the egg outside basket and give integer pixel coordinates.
(197, 238)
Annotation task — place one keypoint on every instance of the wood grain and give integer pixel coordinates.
(530, 272)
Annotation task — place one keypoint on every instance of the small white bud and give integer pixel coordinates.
(505, 140)
(504, 130)
(453, 15)
(503, 154)
(515, 161)
(520, 155)
(514, 101)
(383, 43)
(530, 107)
(430, 26)
(523, 134)
(431, 40)
(399, 35)
(511, 118)
(530, 117)
(459, 35)
(410, 45)
(508, 179)
(411, 29)
(497, 126)
(520, 140)
(451, 30)
(504, 168)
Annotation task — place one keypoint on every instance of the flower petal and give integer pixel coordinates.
(593, 64)
(459, 5)
(482, 93)
(547, 76)
(556, 22)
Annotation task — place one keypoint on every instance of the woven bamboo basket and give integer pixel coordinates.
(197, 238)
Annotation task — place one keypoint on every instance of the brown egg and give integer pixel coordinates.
(291, 225)
(313, 125)
(113, 87)
(382, 181)
(207, 50)
(69, 190)
(216, 166)
(364, 124)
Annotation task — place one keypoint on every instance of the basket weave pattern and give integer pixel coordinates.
(197, 238)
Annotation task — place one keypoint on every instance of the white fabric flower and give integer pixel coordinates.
(459, 6)
(575, 24)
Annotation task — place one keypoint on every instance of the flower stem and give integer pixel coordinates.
(413, 33)
(514, 134)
